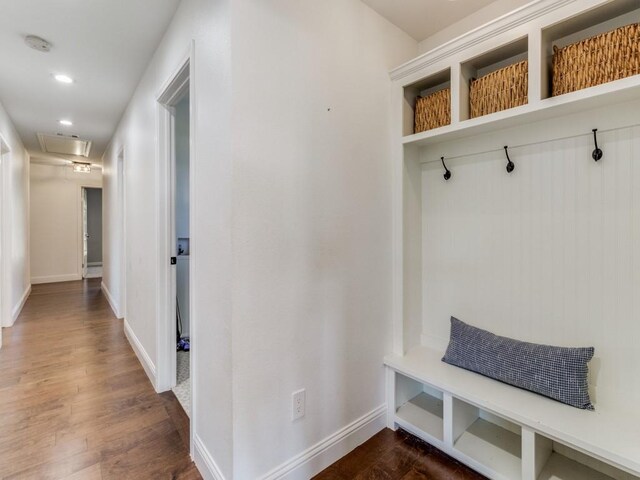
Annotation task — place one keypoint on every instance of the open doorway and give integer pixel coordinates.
(5, 299)
(91, 232)
(175, 245)
(181, 155)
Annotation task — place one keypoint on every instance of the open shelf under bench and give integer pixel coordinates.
(493, 446)
(423, 412)
(476, 409)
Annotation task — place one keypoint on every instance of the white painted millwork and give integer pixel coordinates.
(545, 254)
(204, 460)
(141, 353)
(111, 300)
(330, 449)
(477, 19)
(18, 308)
(175, 86)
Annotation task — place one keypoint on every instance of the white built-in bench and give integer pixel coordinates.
(507, 433)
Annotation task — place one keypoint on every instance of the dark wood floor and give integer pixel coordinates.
(75, 402)
(397, 456)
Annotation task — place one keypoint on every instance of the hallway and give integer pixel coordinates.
(75, 402)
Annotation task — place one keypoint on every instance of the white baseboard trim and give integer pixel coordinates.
(56, 278)
(324, 453)
(94, 264)
(18, 308)
(111, 301)
(141, 353)
(204, 461)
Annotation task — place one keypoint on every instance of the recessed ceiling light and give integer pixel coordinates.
(63, 78)
(66, 123)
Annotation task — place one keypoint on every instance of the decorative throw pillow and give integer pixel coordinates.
(556, 372)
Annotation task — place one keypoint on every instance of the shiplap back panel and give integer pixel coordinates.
(547, 254)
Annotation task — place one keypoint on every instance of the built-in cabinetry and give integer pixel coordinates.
(506, 41)
(501, 431)
(504, 432)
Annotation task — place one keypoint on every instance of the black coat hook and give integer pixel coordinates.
(510, 164)
(597, 153)
(447, 173)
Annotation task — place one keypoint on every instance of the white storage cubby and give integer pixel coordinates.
(481, 65)
(419, 408)
(425, 86)
(491, 443)
(594, 21)
(556, 461)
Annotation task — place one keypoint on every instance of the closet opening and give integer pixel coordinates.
(91, 232)
(175, 245)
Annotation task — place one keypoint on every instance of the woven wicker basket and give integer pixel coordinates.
(500, 90)
(600, 59)
(433, 111)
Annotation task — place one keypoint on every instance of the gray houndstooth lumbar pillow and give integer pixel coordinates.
(556, 372)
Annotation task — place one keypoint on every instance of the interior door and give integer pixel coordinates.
(85, 234)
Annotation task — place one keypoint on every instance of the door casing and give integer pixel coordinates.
(177, 84)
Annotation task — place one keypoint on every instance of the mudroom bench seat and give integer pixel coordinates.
(507, 433)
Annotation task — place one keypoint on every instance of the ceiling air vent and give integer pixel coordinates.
(64, 144)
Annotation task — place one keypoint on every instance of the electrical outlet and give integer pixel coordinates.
(297, 406)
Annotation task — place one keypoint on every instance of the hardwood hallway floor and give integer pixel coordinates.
(75, 402)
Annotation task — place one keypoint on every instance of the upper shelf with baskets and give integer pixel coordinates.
(428, 103)
(547, 59)
(494, 81)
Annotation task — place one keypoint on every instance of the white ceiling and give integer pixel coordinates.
(423, 18)
(105, 45)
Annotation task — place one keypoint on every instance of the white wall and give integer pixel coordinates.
(207, 24)
(312, 221)
(56, 227)
(546, 254)
(475, 20)
(293, 289)
(16, 222)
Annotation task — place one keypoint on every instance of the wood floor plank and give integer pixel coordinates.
(397, 455)
(178, 416)
(75, 403)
